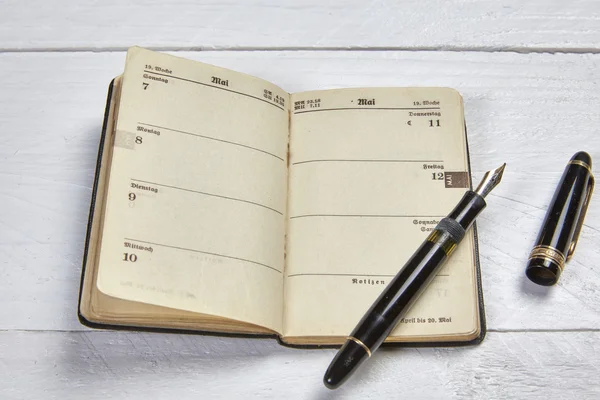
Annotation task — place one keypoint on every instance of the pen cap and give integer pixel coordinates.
(561, 227)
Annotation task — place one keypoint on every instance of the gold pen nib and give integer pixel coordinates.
(490, 180)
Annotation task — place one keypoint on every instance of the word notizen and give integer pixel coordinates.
(356, 281)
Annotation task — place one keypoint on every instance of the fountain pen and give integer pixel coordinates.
(409, 283)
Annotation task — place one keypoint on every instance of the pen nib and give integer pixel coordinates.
(490, 180)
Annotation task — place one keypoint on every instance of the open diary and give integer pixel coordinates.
(222, 203)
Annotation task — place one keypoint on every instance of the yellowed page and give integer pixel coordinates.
(197, 191)
(369, 170)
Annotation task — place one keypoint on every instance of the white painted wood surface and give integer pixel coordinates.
(531, 110)
(101, 365)
(539, 25)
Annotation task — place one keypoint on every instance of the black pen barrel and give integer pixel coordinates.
(419, 270)
(406, 287)
(383, 315)
(399, 295)
(558, 236)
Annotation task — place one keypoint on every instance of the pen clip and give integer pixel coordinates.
(584, 208)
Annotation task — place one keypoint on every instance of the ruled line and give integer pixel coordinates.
(361, 275)
(368, 161)
(203, 252)
(212, 138)
(365, 216)
(369, 108)
(317, 274)
(216, 87)
(207, 194)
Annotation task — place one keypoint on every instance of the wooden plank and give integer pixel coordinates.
(531, 110)
(100, 365)
(541, 25)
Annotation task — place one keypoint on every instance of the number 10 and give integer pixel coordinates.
(129, 257)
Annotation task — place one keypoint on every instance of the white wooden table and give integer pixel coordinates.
(530, 77)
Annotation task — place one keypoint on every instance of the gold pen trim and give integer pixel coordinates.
(549, 253)
(583, 164)
(361, 344)
(582, 213)
(443, 240)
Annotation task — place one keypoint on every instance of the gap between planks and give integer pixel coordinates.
(582, 330)
(457, 49)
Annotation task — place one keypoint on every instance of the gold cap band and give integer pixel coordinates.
(583, 164)
(549, 253)
(442, 239)
(361, 344)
